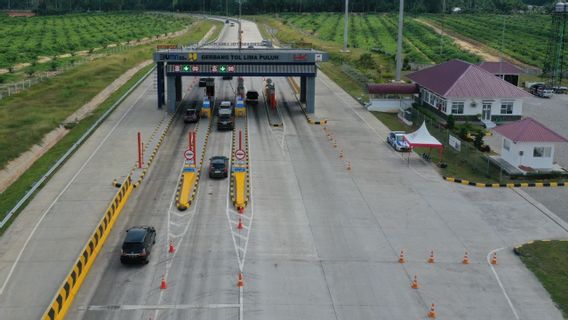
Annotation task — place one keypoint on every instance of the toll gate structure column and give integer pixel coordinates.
(303, 89)
(171, 93)
(179, 90)
(310, 94)
(160, 83)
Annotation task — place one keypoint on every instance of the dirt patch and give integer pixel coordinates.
(464, 44)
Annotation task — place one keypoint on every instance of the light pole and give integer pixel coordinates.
(399, 42)
(240, 28)
(226, 8)
(346, 27)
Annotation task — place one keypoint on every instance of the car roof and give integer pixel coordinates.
(398, 132)
(225, 103)
(218, 158)
(136, 234)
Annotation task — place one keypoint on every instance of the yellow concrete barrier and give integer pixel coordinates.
(239, 181)
(64, 297)
(189, 177)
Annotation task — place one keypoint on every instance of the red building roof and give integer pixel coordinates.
(501, 68)
(392, 88)
(459, 79)
(528, 130)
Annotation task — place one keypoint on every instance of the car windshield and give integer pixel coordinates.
(399, 138)
(224, 113)
(190, 112)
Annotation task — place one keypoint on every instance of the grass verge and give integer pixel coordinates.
(28, 116)
(548, 260)
(16, 191)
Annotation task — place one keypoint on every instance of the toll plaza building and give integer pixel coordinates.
(172, 64)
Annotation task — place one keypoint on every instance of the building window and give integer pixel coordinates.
(432, 100)
(506, 144)
(426, 96)
(507, 107)
(457, 107)
(542, 152)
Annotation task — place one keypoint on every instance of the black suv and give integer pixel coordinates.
(218, 167)
(138, 244)
(225, 120)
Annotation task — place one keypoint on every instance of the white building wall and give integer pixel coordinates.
(470, 110)
(527, 159)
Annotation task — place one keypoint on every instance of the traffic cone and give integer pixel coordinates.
(163, 285)
(432, 312)
(401, 257)
(494, 258)
(341, 154)
(241, 209)
(348, 165)
(241, 281)
(171, 249)
(431, 258)
(465, 258)
(415, 284)
(240, 224)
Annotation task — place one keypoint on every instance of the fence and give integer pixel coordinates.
(468, 155)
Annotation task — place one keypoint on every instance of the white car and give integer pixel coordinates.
(396, 140)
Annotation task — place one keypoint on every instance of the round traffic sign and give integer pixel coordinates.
(188, 154)
(240, 154)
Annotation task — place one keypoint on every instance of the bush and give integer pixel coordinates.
(451, 122)
(478, 141)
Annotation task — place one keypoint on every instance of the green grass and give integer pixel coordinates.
(11, 196)
(548, 260)
(526, 36)
(24, 40)
(28, 116)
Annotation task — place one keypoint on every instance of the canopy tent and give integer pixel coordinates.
(423, 138)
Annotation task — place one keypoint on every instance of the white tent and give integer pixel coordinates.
(423, 138)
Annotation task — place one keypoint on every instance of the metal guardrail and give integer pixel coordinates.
(69, 152)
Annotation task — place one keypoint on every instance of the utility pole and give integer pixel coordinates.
(240, 23)
(346, 27)
(399, 42)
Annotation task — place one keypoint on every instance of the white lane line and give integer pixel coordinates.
(159, 307)
(36, 226)
(501, 284)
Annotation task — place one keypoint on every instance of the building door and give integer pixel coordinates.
(486, 113)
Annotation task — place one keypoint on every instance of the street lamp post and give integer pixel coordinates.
(399, 42)
(346, 27)
(240, 25)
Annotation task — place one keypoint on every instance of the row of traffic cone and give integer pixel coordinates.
(333, 142)
(431, 258)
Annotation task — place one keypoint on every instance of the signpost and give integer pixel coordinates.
(189, 154)
(240, 154)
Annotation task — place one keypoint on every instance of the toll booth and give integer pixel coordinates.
(172, 64)
(206, 107)
(240, 110)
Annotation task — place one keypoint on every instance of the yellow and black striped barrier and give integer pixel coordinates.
(507, 185)
(70, 286)
(296, 89)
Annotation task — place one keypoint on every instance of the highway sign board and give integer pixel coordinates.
(240, 154)
(188, 154)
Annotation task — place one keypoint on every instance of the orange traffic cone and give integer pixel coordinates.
(341, 154)
(163, 285)
(415, 284)
(494, 258)
(431, 258)
(432, 312)
(465, 258)
(241, 281)
(241, 209)
(401, 257)
(171, 249)
(348, 165)
(240, 224)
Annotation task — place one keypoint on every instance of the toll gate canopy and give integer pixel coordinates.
(172, 64)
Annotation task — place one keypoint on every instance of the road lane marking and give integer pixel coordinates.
(36, 226)
(501, 284)
(159, 307)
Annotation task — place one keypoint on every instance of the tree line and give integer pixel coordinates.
(268, 6)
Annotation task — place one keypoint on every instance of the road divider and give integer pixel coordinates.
(240, 179)
(64, 297)
(188, 187)
(507, 185)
